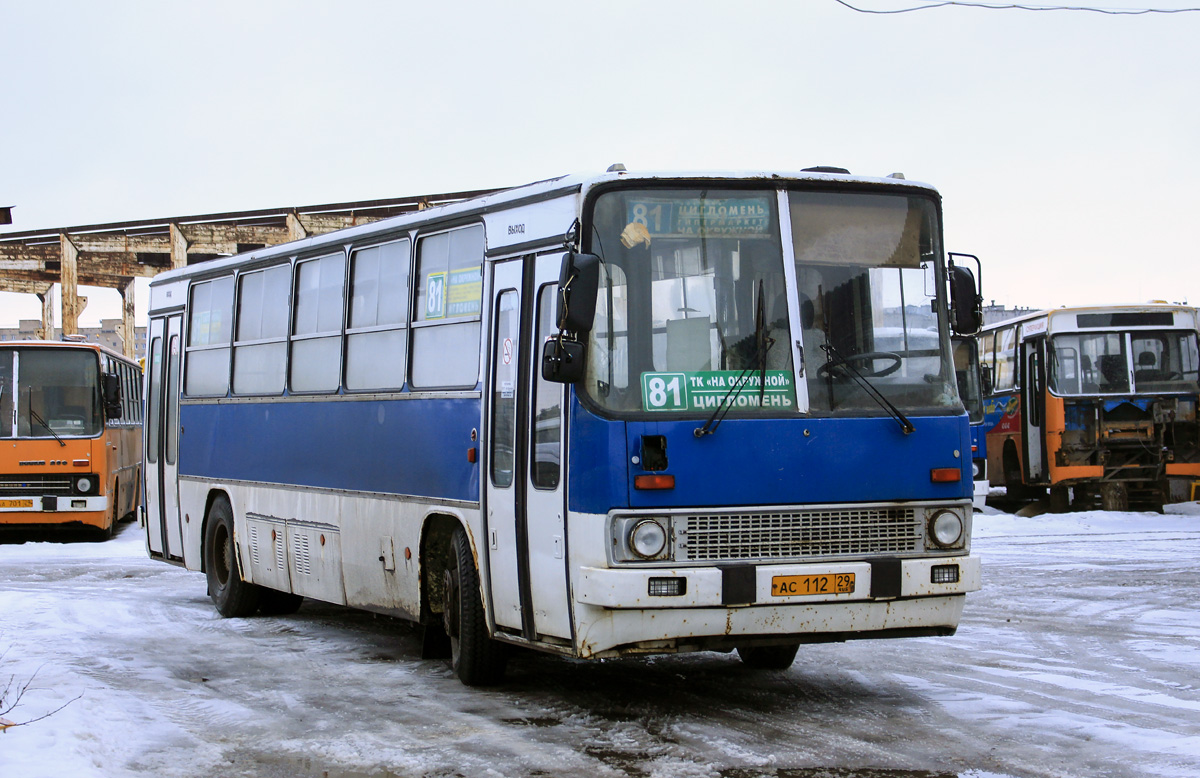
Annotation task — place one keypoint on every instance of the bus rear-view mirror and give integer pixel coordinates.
(563, 361)
(578, 283)
(966, 303)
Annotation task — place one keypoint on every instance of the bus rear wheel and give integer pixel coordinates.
(476, 658)
(233, 596)
(768, 657)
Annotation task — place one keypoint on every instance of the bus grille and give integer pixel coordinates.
(798, 534)
(49, 483)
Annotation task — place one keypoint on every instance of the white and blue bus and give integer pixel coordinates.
(594, 416)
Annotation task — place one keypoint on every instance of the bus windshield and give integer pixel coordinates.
(866, 272)
(694, 307)
(49, 392)
(1104, 362)
(692, 299)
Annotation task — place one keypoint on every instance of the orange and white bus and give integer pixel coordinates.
(1096, 404)
(70, 436)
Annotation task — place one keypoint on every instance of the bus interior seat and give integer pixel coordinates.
(1146, 370)
(1112, 369)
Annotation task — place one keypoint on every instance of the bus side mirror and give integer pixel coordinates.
(562, 361)
(112, 395)
(966, 304)
(578, 284)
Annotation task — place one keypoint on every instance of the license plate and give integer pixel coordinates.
(794, 585)
(16, 503)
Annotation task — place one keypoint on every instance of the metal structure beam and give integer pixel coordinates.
(113, 255)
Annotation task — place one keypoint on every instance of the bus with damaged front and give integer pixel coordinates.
(1094, 406)
(596, 416)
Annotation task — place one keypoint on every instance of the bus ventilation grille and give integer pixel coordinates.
(798, 534)
(26, 485)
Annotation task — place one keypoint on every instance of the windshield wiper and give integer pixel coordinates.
(35, 416)
(762, 344)
(870, 389)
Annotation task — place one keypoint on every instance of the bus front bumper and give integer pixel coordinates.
(54, 509)
(616, 614)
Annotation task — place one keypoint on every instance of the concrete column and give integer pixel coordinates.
(295, 227)
(47, 300)
(128, 331)
(179, 247)
(72, 303)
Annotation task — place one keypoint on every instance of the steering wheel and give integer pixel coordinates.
(837, 369)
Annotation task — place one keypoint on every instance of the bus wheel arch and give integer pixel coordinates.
(233, 596)
(453, 596)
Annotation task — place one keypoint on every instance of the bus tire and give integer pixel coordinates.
(1114, 496)
(233, 596)
(477, 660)
(272, 602)
(768, 657)
(1060, 499)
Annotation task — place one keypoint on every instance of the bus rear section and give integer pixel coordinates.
(1101, 409)
(70, 454)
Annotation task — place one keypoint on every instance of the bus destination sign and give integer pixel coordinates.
(693, 217)
(707, 390)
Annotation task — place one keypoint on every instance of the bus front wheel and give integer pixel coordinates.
(233, 596)
(476, 658)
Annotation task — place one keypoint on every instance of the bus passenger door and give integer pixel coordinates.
(164, 533)
(1033, 407)
(526, 526)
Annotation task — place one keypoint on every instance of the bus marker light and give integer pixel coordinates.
(667, 587)
(943, 574)
(80, 462)
(471, 455)
(78, 503)
(654, 482)
(945, 475)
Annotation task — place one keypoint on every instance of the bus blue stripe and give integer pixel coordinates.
(410, 447)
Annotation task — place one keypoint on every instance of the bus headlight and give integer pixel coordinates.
(83, 484)
(648, 538)
(946, 528)
(976, 470)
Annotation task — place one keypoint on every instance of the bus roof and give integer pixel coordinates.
(539, 191)
(68, 344)
(1149, 307)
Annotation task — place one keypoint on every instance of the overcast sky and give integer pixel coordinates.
(1066, 144)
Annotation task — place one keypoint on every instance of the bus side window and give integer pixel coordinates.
(1006, 359)
(378, 321)
(445, 340)
(316, 360)
(260, 348)
(210, 319)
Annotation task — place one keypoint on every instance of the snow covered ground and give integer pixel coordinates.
(1080, 657)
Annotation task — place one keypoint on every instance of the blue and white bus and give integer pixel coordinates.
(971, 390)
(594, 416)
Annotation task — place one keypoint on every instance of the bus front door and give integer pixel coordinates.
(526, 508)
(1033, 405)
(164, 533)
